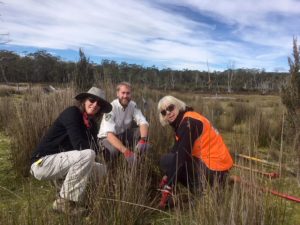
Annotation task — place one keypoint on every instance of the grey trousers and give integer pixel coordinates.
(129, 138)
(75, 167)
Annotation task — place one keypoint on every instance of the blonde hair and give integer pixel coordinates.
(168, 100)
(124, 83)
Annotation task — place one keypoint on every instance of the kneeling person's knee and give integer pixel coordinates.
(88, 155)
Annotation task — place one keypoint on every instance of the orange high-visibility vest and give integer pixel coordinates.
(209, 146)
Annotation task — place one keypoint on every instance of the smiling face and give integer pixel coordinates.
(169, 112)
(91, 106)
(124, 95)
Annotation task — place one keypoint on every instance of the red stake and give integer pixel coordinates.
(271, 175)
(237, 179)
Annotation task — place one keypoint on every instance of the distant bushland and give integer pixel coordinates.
(41, 67)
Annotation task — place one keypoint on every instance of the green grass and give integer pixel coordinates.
(18, 193)
(9, 183)
(26, 200)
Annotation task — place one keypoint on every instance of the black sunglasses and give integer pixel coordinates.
(92, 100)
(170, 108)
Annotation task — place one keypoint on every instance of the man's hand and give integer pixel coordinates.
(142, 147)
(129, 156)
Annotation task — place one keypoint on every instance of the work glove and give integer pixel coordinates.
(163, 182)
(166, 197)
(129, 156)
(142, 147)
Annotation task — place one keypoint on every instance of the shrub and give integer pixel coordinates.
(226, 122)
(241, 112)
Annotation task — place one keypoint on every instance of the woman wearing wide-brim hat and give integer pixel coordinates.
(68, 150)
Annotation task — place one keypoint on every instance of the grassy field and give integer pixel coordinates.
(250, 125)
(17, 193)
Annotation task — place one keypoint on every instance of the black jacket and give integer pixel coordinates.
(179, 161)
(67, 133)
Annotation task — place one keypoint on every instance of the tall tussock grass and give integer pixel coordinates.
(128, 194)
(124, 197)
(241, 111)
(27, 119)
(6, 113)
(238, 204)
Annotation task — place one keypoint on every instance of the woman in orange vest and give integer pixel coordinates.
(198, 156)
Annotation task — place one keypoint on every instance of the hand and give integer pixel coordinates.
(142, 147)
(163, 182)
(129, 156)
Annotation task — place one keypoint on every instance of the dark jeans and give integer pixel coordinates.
(193, 174)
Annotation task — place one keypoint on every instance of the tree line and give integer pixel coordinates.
(41, 66)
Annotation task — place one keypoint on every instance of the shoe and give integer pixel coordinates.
(68, 207)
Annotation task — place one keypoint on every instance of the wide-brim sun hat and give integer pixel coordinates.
(97, 93)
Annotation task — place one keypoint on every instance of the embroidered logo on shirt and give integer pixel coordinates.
(107, 117)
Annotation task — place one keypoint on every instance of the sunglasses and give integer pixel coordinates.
(92, 100)
(170, 108)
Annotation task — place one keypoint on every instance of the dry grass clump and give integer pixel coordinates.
(213, 111)
(6, 112)
(260, 129)
(227, 116)
(6, 90)
(241, 111)
(124, 196)
(238, 205)
(31, 116)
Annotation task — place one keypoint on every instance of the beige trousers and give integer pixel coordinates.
(75, 167)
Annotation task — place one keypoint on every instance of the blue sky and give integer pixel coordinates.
(177, 34)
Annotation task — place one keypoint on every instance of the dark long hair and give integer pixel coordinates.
(80, 105)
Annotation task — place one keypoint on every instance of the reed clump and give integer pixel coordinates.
(29, 119)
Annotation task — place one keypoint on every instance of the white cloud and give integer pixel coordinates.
(148, 32)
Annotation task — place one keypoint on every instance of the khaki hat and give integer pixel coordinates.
(105, 107)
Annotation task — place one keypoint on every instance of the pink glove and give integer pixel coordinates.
(129, 156)
(142, 147)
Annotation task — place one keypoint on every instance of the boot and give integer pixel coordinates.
(68, 207)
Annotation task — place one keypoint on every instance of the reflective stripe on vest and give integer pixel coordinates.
(209, 146)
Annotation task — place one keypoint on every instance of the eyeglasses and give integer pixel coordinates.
(92, 100)
(170, 108)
